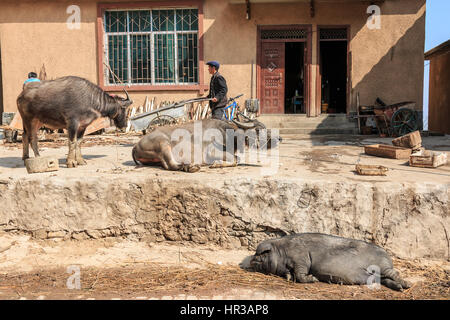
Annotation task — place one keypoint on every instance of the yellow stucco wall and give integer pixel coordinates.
(387, 63)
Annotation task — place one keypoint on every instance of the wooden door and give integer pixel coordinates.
(272, 77)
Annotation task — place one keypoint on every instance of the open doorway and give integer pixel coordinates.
(294, 77)
(333, 71)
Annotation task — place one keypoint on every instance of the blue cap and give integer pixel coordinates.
(213, 64)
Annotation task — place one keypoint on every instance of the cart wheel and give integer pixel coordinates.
(160, 121)
(404, 121)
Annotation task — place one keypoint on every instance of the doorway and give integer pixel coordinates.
(294, 77)
(284, 58)
(333, 70)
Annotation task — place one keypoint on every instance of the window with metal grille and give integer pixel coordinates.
(333, 34)
(283, 34)
(158, 46)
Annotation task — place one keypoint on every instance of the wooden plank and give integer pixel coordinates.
(16, 122)
(98, 124)
(387, 151)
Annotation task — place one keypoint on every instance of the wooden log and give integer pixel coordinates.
(205, 110)
(146, 104)
(191, 111)
(197, 112)
(133, 112)
(371, 170)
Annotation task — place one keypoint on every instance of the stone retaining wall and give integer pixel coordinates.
(409, 220)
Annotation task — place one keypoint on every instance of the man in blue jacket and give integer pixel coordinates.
(217, 90)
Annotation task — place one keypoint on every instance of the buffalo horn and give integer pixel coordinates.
(242, 125)
(128, 97)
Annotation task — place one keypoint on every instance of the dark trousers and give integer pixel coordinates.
(217, 113)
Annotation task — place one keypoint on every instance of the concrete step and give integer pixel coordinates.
(301, 124)
(304, 119)
(320, 131)
(308, 125)
(295, 117)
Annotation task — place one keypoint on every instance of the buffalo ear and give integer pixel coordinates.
(263, 247)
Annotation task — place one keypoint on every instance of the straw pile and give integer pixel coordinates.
(156, 280)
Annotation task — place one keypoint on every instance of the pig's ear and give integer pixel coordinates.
(264, 247)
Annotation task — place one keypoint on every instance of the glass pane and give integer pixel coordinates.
(163, 20)
(187, 58)
(118, 58)
(187, 19)
(164, 58)
(140, 20)
(140, 58)
(115, 21)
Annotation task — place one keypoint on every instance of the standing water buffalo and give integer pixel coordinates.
(70, 103)
(312, 257)
(162, 146)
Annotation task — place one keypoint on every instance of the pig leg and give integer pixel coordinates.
(301, 272)
(391, 279)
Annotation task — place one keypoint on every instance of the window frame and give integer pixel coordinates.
(101, 36)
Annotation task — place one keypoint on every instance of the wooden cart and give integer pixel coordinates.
(164, 116)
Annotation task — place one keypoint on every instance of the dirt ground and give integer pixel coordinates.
(330, 158)
(114, 268)
(119, 268)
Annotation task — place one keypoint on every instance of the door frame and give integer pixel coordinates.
(319, 75)
(308, 66)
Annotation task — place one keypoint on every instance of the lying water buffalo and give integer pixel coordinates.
(312, 257)
(70, 103)
(163, 146)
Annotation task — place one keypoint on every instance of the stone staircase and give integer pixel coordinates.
(301, 124)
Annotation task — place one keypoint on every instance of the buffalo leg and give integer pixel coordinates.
(169, 162)
(71, 156)
(222, 163)
(35, 125)
(78, 156)
(26, 141)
